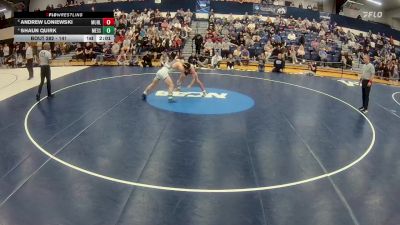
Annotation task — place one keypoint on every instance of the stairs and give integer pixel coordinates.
(198, 27)
(357, 67)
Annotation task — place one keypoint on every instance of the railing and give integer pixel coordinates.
(6, 23)
(322, 65)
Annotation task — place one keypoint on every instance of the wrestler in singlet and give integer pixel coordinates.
(190, 70)
(164, 75)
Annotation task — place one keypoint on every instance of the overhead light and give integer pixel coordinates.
(358, 3)
(375, 2)
(2, 10)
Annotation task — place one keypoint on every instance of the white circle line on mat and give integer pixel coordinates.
(178, 189)
(394, 99)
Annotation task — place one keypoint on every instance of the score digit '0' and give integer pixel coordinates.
(108, 21)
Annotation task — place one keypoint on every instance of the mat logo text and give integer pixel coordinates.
(349, 83)
(192, 94)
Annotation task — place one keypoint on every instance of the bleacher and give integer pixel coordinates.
(222, 7)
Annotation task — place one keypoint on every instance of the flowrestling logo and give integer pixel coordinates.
(192, 101)
(373, 14)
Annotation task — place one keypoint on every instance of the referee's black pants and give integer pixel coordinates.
(29, 66)
(365, 93)
(45, 73)
(198, 49)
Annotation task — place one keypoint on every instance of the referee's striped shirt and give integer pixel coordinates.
(44, 57)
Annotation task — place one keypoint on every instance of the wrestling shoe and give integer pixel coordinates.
(171, 100)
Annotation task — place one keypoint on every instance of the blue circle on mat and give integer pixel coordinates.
(217, 101)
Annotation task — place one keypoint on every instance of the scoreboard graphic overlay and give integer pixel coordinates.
(64, 26)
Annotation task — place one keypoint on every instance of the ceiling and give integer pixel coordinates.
(4, 4)
(386, 4)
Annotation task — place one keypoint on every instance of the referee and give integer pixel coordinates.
(44, 62)
(29, 60)
(366, 78)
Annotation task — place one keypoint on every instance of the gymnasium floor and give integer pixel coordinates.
(259, 149)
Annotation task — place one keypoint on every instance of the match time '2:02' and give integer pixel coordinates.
(104, 38)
